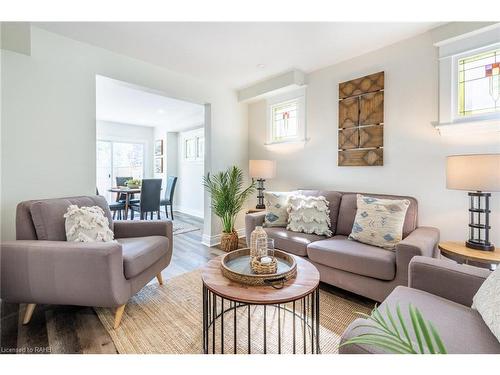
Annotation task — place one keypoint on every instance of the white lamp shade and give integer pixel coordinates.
(262, 169)
(473, 172)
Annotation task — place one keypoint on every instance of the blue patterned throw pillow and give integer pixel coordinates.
(379, 222)
(276, 205)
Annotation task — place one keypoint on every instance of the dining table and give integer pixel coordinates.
(128, 193)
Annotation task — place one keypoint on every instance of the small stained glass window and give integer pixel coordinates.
(479, 84)
(284, 121)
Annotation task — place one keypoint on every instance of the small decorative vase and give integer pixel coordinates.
(229, 241)
(258, 243)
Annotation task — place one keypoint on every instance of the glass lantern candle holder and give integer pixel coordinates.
(258, 243)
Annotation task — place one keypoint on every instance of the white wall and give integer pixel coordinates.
(414, 152)
(48, 119)
(189, 191)
(114, 131)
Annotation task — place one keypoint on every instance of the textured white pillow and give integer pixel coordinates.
(276, 205)
(379, 222)
(487, 302)
(309, 215)
(87, 224)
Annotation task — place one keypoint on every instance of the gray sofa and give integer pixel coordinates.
(363, 269)
(41, 267)
(443, 292)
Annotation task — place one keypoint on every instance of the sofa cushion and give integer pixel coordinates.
(379, 222)
(309, 214)
(348, 208)
(48, 215)
(292, 242)
(139, 253)
(87, 224)
(351, 256)
(276, 208)
(460, 327)
(333, 198)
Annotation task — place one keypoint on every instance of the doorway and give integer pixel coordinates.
(143, 134)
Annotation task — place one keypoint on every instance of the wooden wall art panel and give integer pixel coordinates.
(361, 121)
(349, 113)
(357, 157)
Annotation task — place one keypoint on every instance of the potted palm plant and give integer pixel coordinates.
(227, 198)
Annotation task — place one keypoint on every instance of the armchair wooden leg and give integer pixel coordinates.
(30, 307)
(160, 278)
(118, 316)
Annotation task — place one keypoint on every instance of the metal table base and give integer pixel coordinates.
(305, 310)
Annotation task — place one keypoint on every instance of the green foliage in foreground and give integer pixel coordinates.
(395, 338)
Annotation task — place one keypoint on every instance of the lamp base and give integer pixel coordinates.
(479, 222)
(479, 245)
(260, 194)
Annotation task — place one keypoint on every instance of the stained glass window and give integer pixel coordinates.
(284, 121)
(479, 84)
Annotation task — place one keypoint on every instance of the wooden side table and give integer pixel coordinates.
(254, 210)
(458, 250)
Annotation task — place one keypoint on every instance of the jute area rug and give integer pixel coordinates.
(168, 320)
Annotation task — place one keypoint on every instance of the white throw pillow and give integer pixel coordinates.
(276, 204)
(309, 215)
(379, 222)
(87, 224)
(487, 302)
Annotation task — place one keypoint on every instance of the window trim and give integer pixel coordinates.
(296, 95)
(448, 122)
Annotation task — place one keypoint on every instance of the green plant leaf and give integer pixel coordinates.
(385, 333)
(416, 329)
(437, 339)
(425, 331)
(403, 326)
(377, 343)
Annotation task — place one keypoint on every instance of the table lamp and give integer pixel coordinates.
(262, 169)
(480, 175)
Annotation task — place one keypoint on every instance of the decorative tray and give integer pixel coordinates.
(236, 266)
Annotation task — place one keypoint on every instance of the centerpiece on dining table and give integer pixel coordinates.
(133, 183)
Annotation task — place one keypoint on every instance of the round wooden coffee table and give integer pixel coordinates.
(298, 299)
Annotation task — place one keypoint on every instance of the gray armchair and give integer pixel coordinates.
(443, 292)
(41, 267)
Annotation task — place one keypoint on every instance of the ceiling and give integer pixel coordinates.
(125, 103)
(239, 54)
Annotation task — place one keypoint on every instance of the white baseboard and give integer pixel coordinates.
(188, 211)
(211, 241)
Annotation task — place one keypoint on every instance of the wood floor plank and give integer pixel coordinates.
(62, 329)
(32, 338)
(9, 322)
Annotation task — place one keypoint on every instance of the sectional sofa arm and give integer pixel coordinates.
(422, 241)
(60, 272)
(447, 279)
(129, 228)
(251, 221)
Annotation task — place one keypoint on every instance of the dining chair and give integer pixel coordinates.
(150, 199)
(115, 207)
(169, 195)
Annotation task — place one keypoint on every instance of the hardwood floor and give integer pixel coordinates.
(75, 329)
